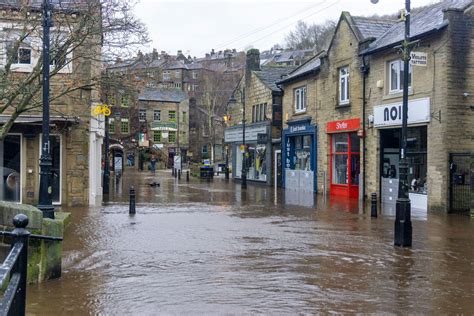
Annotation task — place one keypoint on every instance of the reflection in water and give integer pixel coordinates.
(244, 253)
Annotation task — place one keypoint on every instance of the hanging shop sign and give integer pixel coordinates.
(391, 114)
(343, 126)
(419, 59)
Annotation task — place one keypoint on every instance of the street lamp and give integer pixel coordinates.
(45, 202)
(232, 100)
(403, 227)
(226, 120)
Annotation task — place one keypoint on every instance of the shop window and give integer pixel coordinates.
(157, 136)
(156, 115)
(111, 126)
(142, 115)
(303, 152)
(172, 116)
(255, 162)
(396, 76)
(172, 137)
(10, 155)
(300, 99)
(345, 157)
(344, 85)
(124, 126)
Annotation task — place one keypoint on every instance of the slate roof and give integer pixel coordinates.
(308, 67)
(271, 75)
(175, 64)
(163, 95)
(426, 20)
(372, 27)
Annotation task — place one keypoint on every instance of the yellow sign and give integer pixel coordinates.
(101, 109)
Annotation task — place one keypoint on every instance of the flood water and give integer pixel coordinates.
(209, 248)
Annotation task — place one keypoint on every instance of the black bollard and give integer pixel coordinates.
(226, 173)
(373, 212)
(179, 174)
(132, 201)
(187, 175)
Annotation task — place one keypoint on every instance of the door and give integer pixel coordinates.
(460, 182)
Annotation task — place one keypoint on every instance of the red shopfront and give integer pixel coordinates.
(344, 157)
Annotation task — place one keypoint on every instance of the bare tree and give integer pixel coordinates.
(86, 33)
(310, 36)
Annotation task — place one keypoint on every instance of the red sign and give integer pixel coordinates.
(343, 126)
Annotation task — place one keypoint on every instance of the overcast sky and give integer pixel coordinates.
(197, 26)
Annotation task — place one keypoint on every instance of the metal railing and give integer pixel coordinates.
(14, 268)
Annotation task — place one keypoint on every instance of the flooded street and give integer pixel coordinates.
(209, 248)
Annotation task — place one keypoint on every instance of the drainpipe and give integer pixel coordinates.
(365, 71)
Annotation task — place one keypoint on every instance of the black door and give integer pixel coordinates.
(460, 182)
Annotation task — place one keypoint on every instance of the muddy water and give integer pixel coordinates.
(209, 248)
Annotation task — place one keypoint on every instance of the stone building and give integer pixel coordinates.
(350, 96)
(440, 109)
(76, 135)
(258, 93)
(164, 115)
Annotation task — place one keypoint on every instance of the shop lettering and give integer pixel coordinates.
(298, 128)
(341, 125)
(392, 114)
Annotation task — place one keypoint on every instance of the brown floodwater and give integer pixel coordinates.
(209, 248)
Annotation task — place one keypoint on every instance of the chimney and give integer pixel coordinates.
(253, 60)
(179, 52)
(212, 52)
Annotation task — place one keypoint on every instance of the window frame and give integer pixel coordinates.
(400, 69)
(157, 136)
(122, 121)
(142, 115)
(156, 113)
(166, 75)
(300, 99)
(111, 129)
(346, 85)
(172, 119)
(169, 137)
(125, 101)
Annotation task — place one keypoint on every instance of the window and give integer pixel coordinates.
(142, 115)
(172, 116)
(112, 100)
(396, 75)
(125, 101)
(124, 126)
(157, 136)
(344, 85)
(166, 75)
(204, 149)
(172, 137)
(300, 99)
(111, 126)
(117, 115)
(195, 87)
(184, 117)
(177, 74)
(195, 75)
(58, 57)
(22, 56)
(177, 85)
(259, 112)
(156, 115)
(345, 156)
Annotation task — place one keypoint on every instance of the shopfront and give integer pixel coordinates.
(299, 156)
(387, 118)
(344, 159)
(258, 149)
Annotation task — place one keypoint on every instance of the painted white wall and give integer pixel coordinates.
(96, 138)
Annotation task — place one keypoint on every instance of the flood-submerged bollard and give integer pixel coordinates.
(187, 175)
(373, 212)
(132, 201)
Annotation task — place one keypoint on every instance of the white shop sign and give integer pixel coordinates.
(419, 59)
(251, 134)
(391, 114)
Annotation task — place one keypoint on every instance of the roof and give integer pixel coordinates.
(175, 64)
(372, 27)
(271, 75)
(163, 95)
(308, 67)
(37, 4)
(426, 20)
(31, 119)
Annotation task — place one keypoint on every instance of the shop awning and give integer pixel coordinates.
(164, 126)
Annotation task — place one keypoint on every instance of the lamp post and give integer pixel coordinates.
(106, 178)
(226, 119)
(232, 100)
(45, 203)
(403, 227)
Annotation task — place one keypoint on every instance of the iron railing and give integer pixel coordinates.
(14, 268)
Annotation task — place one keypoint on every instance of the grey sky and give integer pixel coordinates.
(197, 26)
